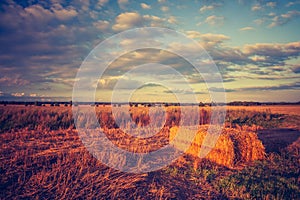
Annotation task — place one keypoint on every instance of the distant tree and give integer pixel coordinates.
(201, 104)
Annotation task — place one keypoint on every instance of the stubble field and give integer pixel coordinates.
(256, 156)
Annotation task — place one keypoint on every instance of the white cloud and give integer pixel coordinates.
(127, 20)
(273, 50)
(193, 34)
(284, 18)
(214, 37)
(110, 82)
(164, 8)
(145, 6)
(38, 11)
(101, 25)
(247, 28)
(290, 14)
(209, 7)
(18, 94)
(214, 20)
(14, 80)
(257, 58)
(102, 3)
(265, 54)
(210, 40)
(292, 3)
(272, 14)
(33, 95)
(205, 8)
(172, 20)
(154, 20)
(153, 17)
(122, 3)
(256, 7)
(37, 14)
(271, 4)
(259, 21)
(64, 13)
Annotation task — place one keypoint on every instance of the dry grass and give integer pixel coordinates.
(42, 157)
(56, 165)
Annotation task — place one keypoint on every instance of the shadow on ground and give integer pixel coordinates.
(276, 139)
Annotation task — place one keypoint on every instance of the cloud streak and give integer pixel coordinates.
(282, 19)
(214, 20)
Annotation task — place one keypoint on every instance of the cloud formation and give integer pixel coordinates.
(283, 18)
(271, 4)
(164, 8)
(214, 20)
(209, 7)
(247, 28)
(145, 6)
(291, 86)
(127, 20)
(256, 7)
(273, 54)
(43, 43)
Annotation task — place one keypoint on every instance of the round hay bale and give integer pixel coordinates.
(223, 152)
(247, 146)
(232, 147)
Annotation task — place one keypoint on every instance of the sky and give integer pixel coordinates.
(254, 44)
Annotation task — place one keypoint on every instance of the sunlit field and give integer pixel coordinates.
(257, 155)
(282, 109)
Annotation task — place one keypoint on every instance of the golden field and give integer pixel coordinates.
(281, 109)
(42, 156)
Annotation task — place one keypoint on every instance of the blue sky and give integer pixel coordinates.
(255, 44)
